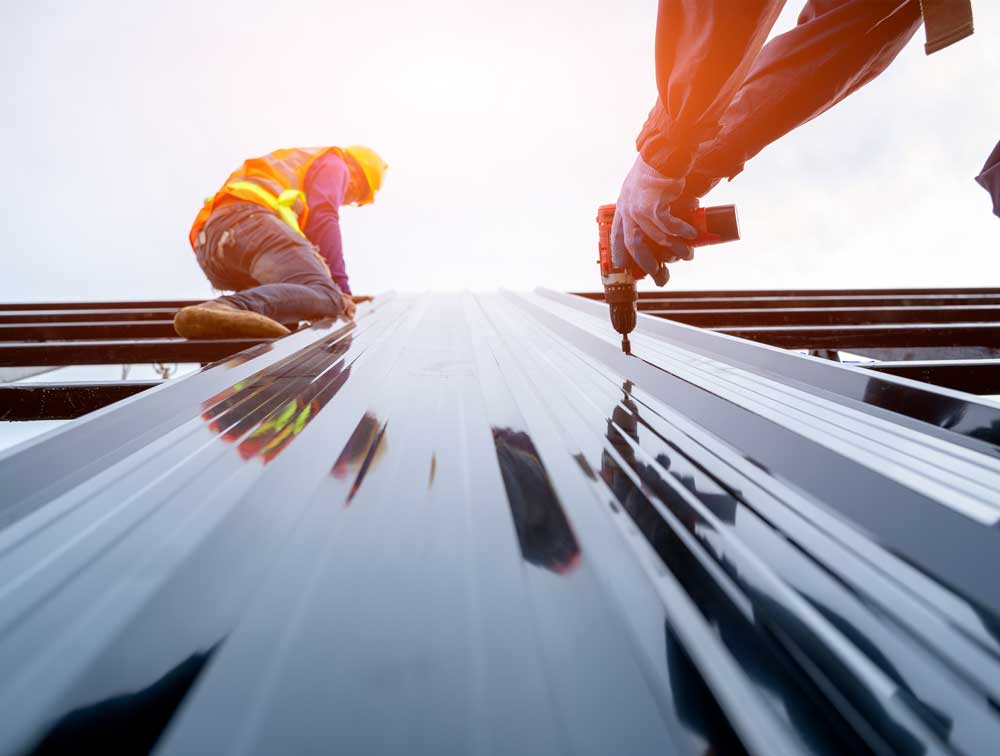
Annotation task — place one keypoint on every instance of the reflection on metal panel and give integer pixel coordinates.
(470, 524)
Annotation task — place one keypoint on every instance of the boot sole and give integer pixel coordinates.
(211, 323)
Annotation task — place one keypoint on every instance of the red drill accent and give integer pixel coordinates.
(605, 217)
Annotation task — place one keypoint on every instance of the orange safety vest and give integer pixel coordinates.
(274, 181)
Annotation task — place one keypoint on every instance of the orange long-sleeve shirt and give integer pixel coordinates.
(724, 95)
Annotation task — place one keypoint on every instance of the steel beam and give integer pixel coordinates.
(819, 298)
(173, 304)
(793, 293)
(15, 353)
(974, 376)
(63, 401)
(824, 316)
(108, 329)
(816, 302)
(929, 354)
(86, 316)
(860, 336)
(60, 312)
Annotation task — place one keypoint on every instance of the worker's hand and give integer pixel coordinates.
(349, 307)
(644, 228)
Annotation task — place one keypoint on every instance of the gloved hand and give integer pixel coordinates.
(643, 228)
(349, 307)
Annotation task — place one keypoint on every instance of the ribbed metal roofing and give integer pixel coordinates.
(467, 524)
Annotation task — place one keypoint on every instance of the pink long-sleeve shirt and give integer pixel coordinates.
(325, 187)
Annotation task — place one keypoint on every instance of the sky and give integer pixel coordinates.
(505, 125)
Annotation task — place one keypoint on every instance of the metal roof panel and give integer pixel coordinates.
(469, 524)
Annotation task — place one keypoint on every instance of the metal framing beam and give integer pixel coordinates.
(860, 336)
(106, 352)
(171, 304)
(815, 302)
(106, 329)
(927, 354)
(825, 316)
(90, 315)
(63, 401)
(730, 294)
(973, 376)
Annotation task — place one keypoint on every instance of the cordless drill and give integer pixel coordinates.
(714, 224)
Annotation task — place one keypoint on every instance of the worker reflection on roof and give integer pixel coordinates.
(544, 533)
(363, 449)
(271, 234)
(263, 414)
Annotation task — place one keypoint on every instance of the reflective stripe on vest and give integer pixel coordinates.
(281, 204)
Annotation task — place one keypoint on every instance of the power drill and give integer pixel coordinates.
(714, 224)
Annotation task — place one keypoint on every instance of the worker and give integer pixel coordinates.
(724, 95)
(271, 234)
(989, 178)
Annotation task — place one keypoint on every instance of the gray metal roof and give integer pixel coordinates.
(469, 524)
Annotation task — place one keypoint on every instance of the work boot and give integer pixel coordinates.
(220, 320)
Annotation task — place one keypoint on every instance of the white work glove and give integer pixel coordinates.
(643, 228)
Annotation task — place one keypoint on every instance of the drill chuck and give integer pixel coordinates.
(623, 321)
(620, 294)
(623, 318)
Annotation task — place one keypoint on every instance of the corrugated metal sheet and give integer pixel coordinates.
(469, 524)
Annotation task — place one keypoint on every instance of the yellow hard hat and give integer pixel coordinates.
(372, 165)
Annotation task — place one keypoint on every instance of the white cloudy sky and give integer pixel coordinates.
(505, 125)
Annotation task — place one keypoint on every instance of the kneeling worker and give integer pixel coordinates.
(272, 235)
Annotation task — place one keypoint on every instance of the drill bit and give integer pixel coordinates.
(626, 344)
